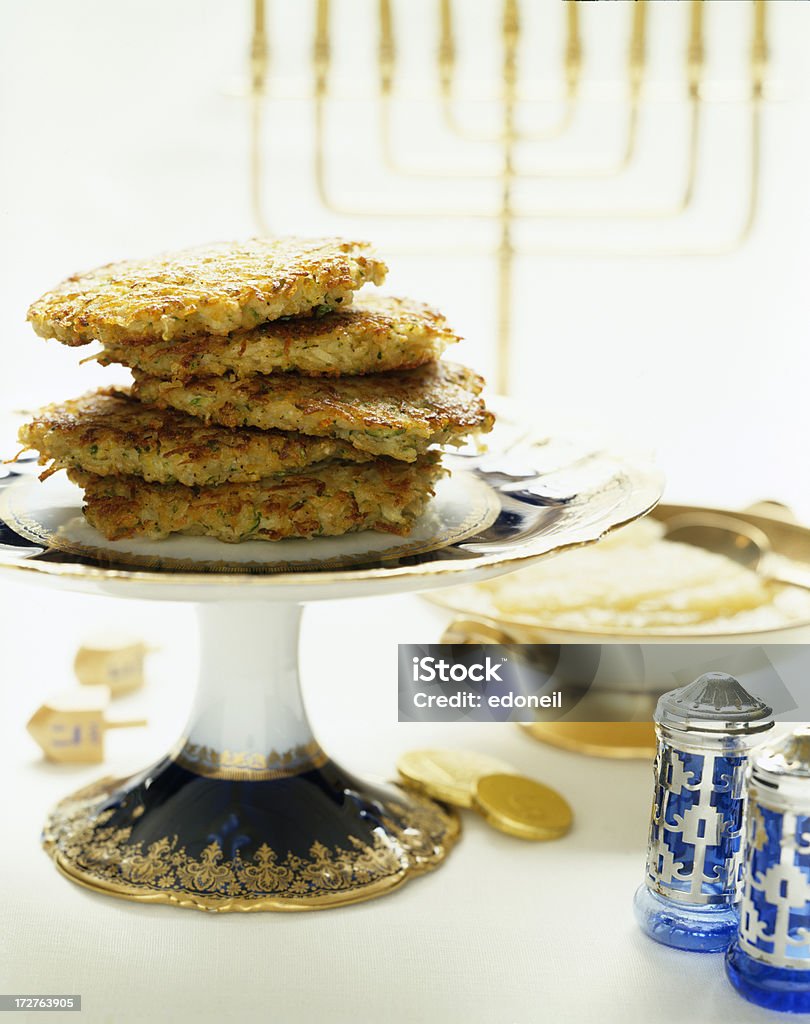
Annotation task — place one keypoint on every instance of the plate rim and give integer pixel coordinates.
(649, 482)
(469, 483)
(644, 481)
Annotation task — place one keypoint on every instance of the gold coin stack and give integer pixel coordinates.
(267, 403)
(510, 802)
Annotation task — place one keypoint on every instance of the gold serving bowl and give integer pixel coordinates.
(630, 732)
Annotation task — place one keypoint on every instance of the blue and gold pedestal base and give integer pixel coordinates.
(776, 988)
(248, 813)
(314, 839)
(698, 929)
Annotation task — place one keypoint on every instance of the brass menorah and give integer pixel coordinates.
(513, 138)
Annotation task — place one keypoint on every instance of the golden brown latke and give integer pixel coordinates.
(214, 289)
(332, 500)
(375, 334)
(107, 432)
(394, 414)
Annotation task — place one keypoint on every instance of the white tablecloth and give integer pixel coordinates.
(505, 932)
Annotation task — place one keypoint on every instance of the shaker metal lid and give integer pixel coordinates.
(789, 756)
(713, 703)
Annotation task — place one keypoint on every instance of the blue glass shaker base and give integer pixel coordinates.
(686, 926)
(776, 988)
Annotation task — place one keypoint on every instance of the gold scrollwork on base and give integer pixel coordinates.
(416, 836)
(240, 765)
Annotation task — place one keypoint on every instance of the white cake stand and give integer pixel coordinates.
(247, 812)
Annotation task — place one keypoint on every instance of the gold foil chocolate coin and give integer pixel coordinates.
(522, 807)
(448, 775)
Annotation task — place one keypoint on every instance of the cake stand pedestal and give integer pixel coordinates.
(247, 812)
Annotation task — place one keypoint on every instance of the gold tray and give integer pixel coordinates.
(632, 738)
(788, 539)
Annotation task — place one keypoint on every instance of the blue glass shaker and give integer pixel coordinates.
(690, 897)
(769, 963)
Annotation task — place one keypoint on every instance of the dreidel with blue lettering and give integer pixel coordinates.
(113, 660)
(70, 727)
(691, 893)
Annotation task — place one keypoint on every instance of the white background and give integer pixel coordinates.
(123, 133)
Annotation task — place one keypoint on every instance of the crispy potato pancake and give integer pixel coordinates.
(375, 334)
(393, 414)
(214, 289)
(332, 500)
(108, 433)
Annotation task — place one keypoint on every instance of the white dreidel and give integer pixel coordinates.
(115, 660)
(70, 725)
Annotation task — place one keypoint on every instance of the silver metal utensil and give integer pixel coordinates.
(738, 540)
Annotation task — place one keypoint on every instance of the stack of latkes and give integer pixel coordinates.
(266, 403)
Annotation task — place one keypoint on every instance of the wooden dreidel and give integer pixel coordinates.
(113, 661)
(70, 726)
